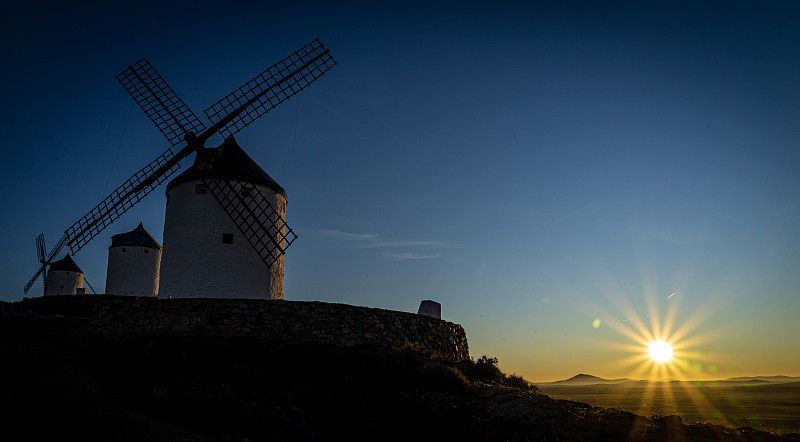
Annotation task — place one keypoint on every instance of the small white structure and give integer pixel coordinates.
(134, 262)
(64, 278)
(205, 256)
(430, 308)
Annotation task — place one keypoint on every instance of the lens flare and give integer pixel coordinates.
(660, 351)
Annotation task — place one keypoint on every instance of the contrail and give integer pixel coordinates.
(671, 295)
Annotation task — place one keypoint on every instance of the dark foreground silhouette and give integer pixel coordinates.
(61, 384)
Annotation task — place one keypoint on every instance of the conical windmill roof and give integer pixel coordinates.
(231, 163)
(137, 237)
(65, 264)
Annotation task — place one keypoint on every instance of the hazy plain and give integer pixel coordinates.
(764, 405)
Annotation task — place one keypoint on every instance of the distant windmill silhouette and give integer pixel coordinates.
(256, 218)
(44, 259)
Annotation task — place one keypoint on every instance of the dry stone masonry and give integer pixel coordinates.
(279, 320)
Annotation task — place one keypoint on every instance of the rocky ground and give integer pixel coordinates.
(62, 384)
(48, 392)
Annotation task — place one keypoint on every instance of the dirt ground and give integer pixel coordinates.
(47, 393)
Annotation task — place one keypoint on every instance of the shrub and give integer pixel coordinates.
(483, 370)
(515, 381)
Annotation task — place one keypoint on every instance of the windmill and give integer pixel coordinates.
(45, 260)
(257, 220)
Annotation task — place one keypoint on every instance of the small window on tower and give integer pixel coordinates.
(200, 189)
(123, 249)
(145, 250)
(227, 238)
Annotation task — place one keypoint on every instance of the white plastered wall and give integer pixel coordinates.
(196, 263)
(133, 271)
(62, 282)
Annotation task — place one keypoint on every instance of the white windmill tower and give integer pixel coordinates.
(134, 263)
(258, 216)
(205, 256)
(64, 278)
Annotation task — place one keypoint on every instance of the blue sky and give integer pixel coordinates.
(533, 168)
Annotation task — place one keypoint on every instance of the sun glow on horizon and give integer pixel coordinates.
(662, 346)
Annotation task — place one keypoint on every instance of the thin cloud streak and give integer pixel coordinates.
(370, 241)
(587, 211)
(410, 256)
(367, 240)
(435, 244)
(346, 236)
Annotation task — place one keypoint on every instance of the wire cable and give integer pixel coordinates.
(119, 146)
(296, 119)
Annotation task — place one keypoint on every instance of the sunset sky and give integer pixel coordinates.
(565, 178)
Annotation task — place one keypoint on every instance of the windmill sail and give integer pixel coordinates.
(44, 260)
(40, 247)
(121, 200)
(161, 104)
(257, 219)
(270, 88)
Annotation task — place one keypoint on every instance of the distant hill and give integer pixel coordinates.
(779, 378)
(587, 379)
(583, 379)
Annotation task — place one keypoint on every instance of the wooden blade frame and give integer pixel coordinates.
(270, 88)
(121, 200)
(44, 260)
(41, 250)
(40, 247)
(161, 104)
(256, 218)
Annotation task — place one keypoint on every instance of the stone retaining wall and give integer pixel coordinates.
(279, 320)
(67, 305)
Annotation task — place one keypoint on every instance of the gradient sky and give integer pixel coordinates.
(563, 177)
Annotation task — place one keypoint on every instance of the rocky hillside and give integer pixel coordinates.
(255, 391)
(66, 385)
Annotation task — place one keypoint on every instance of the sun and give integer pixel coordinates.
(660, 351)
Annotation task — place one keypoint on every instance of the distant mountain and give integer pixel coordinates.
(779, 378)
(587, 379)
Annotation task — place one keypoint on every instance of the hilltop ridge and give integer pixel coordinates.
(210, 388)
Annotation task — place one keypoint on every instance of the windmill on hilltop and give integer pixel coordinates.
(213, 247)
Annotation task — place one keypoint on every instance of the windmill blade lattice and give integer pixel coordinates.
(121, 200)
(41, 255)
(157, 99)
(257, 219)
(40, 247)
(270, 88)
(34, 278)
(41, 252)
(44, 259)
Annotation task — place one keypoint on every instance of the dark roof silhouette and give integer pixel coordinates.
(231, 163)
(137, 237)
(65, 264)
